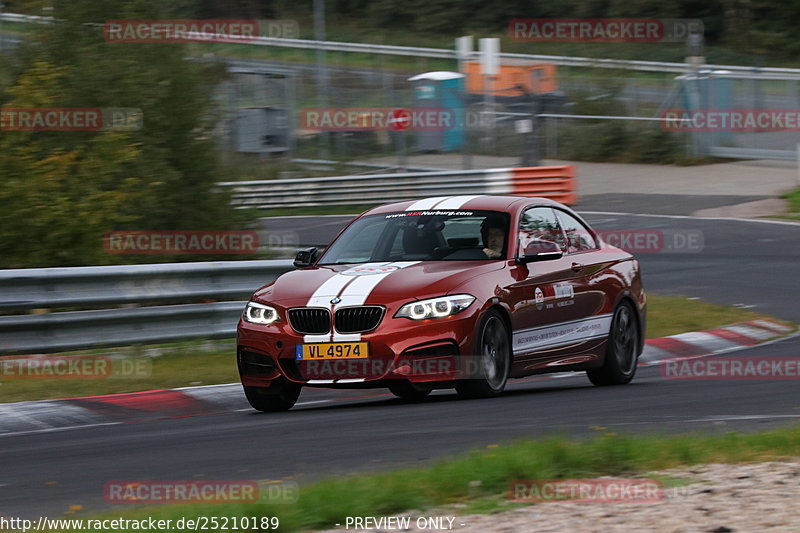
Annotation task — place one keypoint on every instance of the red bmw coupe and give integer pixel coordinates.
(459, 292)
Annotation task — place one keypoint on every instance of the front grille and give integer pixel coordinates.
(358, 319)
(310, 320)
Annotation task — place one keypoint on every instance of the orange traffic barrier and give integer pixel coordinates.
(556, 182)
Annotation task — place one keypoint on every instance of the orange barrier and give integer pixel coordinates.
(554, 182)
(536, 78)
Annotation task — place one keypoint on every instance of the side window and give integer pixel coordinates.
(540, 223)
(579, 238)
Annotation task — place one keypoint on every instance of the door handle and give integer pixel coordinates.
(576, 267)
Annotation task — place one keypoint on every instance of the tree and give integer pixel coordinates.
(61, 191)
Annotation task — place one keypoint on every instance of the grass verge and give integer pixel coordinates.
(479, 481)
(159, 367)
(794, 205)
(670, 315)
(202, 363)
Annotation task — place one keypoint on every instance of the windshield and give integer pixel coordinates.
(422, 236)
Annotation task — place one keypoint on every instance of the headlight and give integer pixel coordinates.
(259, 314)
(435, 307)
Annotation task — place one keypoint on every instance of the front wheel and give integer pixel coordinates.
(619, 365)
(280, 396)
(493, 360)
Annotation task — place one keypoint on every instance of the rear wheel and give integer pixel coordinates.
(493, 360)
(407, 391)
(280, 396)
(619, 366)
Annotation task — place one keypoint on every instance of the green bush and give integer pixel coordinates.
(61, 191)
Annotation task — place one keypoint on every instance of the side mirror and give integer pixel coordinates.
(305, 257)
(540, 250)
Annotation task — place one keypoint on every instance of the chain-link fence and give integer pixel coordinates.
(506, 120)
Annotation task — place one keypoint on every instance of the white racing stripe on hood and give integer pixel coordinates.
(357, 293)
(332, 287)
(456, 202)
(325, 292)
(353, 291)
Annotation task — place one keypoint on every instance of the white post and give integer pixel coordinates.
(463, 51)
(490, 54)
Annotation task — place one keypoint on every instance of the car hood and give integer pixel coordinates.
(372, 283)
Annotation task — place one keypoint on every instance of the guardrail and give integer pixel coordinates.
(19, 17)
(40, 289)
(75, 330)
(736, 71)
(120, 298)
(554, 182)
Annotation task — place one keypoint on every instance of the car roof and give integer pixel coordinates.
(460, 203)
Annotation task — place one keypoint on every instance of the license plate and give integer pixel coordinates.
(332, 350)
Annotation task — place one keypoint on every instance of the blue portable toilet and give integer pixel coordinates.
(706, 91)
(440, 90)
(720, 96)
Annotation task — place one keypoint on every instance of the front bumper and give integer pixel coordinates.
(423, 351)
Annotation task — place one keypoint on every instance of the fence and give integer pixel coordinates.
(103, 290)
(579, 79)
(562, 137)
(554, 182)
(446, 53)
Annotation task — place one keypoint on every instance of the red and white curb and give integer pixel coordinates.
(711, 341)
(55, 415)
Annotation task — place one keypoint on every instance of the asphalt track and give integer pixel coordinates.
(752, 264)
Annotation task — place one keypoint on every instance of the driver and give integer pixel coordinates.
(493, 232)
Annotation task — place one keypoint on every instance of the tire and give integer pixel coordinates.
(493, 349)
(621, 357)
(280, 396)
(407, 391)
